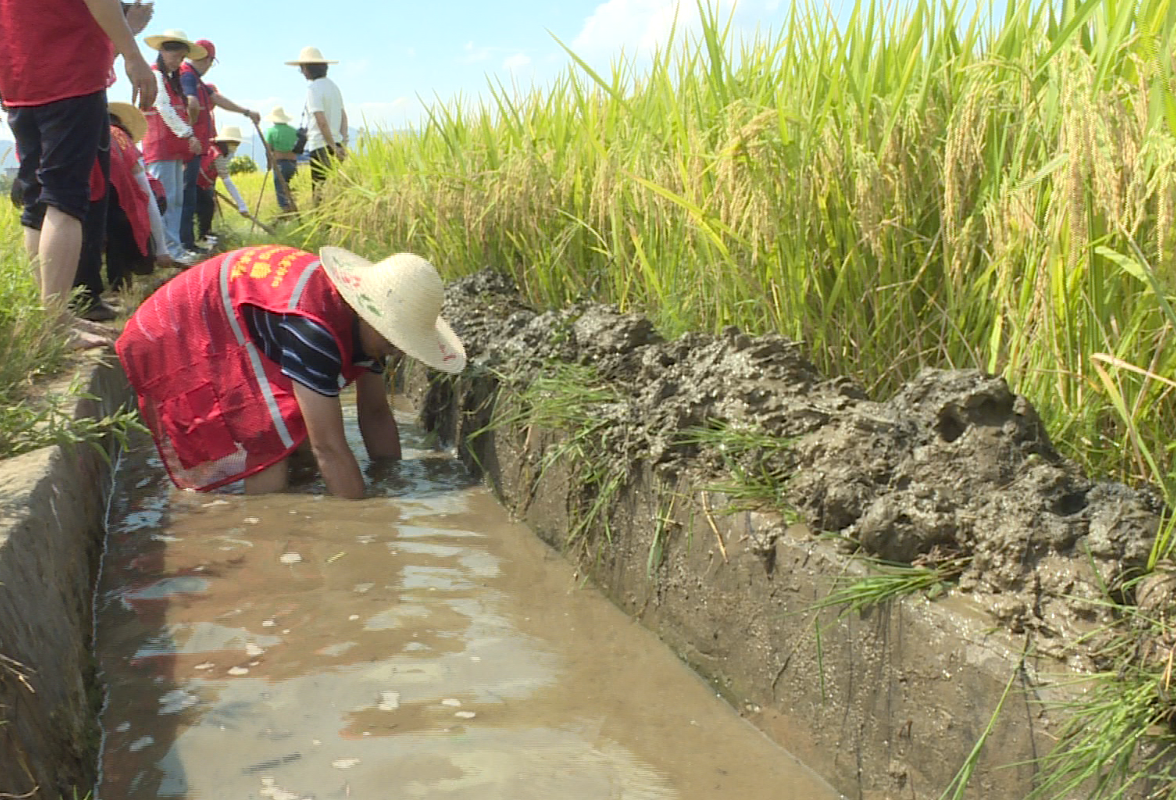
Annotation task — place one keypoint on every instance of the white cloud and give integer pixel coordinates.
(638, 27)
(474, 54)
(519, 62)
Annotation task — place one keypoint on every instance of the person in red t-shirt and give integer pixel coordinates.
(55, 66)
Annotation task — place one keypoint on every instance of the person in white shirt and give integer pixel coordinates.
(326, 131)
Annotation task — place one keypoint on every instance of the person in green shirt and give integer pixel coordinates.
(281, 138)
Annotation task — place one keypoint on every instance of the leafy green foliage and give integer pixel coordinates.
(242, 164)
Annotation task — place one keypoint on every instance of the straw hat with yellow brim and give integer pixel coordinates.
(156, 42)
(310, 55)
(229, 133)
(401, 298)
(278, 115)
(131, 118)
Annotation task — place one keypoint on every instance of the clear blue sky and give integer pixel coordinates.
(391, 54)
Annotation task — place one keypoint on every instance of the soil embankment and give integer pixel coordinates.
(623, 458)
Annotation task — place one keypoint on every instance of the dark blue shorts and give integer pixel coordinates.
(57, 144)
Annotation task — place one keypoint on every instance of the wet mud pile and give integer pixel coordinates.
(954, 469)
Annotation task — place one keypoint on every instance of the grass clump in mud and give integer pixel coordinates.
(755, 463)
(568, 401)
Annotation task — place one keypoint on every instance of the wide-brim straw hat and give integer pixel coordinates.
(131, 118)
(157, 41)
(229, 133)
(278, 115)
(401, 298)
(310, 55)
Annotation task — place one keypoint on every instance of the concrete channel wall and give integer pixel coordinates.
(884, 704)
(52, 507)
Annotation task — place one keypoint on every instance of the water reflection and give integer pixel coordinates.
(415, 644)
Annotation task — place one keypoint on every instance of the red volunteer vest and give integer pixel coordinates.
(160, 144)
(124, 159)
(207, 176)
(219, 410)
(52, 50)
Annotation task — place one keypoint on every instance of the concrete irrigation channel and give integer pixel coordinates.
(585, 424)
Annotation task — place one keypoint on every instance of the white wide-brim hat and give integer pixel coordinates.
(278, 115)
(401, 298)
(310, 55)
(131, 118)
(195, 51)
(229, 133)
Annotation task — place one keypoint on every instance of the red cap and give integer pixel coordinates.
(209, 46)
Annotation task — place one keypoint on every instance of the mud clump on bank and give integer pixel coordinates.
(955, 467)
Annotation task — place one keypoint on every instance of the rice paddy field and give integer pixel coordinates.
(927, 185)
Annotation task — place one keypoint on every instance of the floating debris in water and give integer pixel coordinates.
(465, 714)
(353, 617)
(123, 727)
(177, 700)
(453, 703)
(205, 665)
(290, 558)
(268, 623)
(140, 743)
(253, 650)
(214, 503)
(238, 671)
(270, 789)
(364, 588)
(389, 701)
(251, 520)
(344, 763)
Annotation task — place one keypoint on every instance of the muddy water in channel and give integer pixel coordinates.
(417, 644)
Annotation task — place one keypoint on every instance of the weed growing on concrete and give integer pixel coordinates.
(569, 399)
(755, 462)
(27, 426)
(1119, 738)
(955, 790)
(887, 581)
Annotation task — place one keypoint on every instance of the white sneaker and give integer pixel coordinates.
(188, 258)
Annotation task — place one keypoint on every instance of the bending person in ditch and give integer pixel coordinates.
(239, 361)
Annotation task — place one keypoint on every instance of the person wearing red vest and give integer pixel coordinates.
(214, 165)
(239, 361)
(202, 98)
(171, 142)
(56, 63)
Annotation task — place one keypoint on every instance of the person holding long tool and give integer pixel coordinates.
(202, 99)
(280, 139)
(215, 164)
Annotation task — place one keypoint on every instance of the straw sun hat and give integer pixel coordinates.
(310, 55)
(278, 115)
(131, 118)
(401, 298)
(195, 51)
(229, 133)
